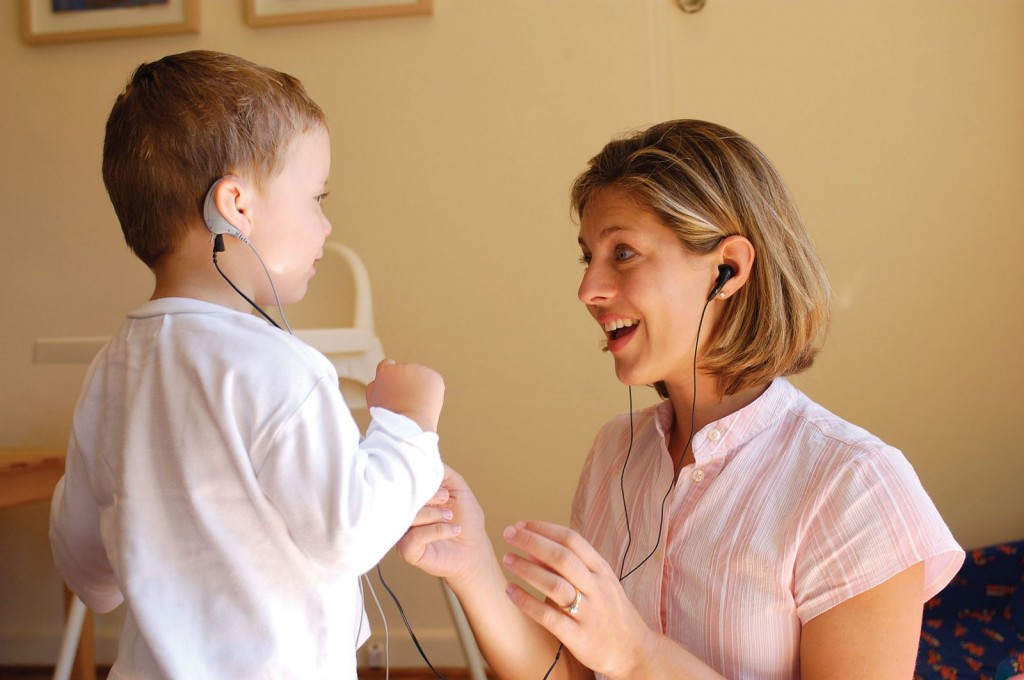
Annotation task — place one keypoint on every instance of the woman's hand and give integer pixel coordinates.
(606, 633)
(447, 537)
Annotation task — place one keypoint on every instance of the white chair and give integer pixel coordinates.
(69, 643)
(355, 351)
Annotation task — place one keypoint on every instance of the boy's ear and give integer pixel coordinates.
(737, 252)
(228, 200)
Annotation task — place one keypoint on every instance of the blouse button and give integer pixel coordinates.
(698, 476)
(715, 435)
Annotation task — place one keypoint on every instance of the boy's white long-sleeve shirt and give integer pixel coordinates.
(216, 483)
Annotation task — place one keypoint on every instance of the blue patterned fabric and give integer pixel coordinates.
(974, 628)
(1012, 667)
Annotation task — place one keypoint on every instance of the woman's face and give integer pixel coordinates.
(644, 288)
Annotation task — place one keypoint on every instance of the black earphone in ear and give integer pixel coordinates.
(725, 272)
(215, 221)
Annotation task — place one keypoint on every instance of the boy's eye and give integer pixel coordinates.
(320, 198)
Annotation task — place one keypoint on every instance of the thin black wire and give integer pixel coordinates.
(675, 473)
(622, 487)
(678, 466)
(558, 655)
(244, 296)
(408, 626)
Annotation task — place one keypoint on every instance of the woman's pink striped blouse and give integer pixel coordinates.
(788, 512)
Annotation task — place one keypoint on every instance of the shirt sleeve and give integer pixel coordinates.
(346, 502)
(872, 521)
(76, 538)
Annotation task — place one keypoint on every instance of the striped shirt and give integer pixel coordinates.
(787, 512)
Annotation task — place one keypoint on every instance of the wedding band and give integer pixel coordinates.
(574, 608)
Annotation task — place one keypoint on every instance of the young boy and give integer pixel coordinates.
(215, 482)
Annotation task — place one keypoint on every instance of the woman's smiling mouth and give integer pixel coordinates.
(620, 328)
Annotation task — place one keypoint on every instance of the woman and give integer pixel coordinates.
(737, 529)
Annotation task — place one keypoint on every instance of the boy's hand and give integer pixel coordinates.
(410, 389)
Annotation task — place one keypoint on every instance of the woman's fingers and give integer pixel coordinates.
(431, 523)
(430, 514)
(440, 497)
(586, 607)
(556, 546)
(552, 585)
(558, 563)
(554, 620)
(418, 539)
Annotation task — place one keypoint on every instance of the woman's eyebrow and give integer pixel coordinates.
(605, 233)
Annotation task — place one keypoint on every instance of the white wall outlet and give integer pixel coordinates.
(375, 656)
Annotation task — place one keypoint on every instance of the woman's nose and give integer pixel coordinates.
(595, 286)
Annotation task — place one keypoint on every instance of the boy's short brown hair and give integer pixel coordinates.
(706, 182)
(183, 122)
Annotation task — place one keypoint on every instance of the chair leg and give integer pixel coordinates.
(77, 658)
(85, 655)
(474, 659)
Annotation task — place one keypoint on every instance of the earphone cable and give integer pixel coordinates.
(675, 468)
(387, 634)
(675, 474)
(244, 296)
(362, 611)
(277, 299)
(622, 487)
(218, 246)
(408, 626)
(558, 655)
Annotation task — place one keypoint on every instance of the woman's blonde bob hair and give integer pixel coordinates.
(706, 182)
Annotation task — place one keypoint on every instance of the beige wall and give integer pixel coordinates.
(455, 137)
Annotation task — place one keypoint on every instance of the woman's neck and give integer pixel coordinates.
(712, 405)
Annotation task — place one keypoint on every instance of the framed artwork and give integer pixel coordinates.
(279, 12)
(55, 21)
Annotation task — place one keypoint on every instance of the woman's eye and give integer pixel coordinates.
(622, 253)
(585, 259)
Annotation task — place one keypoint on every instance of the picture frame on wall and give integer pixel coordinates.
(58, 21)
(282, 12)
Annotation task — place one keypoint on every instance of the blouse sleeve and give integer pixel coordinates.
(872, 521)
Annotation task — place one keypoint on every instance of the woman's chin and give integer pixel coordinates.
(629, 375)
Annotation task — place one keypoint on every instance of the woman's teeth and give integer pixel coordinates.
(619, 323)
(613, 328)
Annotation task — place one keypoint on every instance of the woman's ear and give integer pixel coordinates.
(230, 196)
(738, 253)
